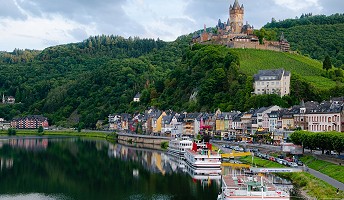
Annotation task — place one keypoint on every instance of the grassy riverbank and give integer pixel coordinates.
(308, 183)
(261, 162)
(63, 133)
(332, 170)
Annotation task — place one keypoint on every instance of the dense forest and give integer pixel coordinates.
(85, 81)
(78, 84)
(315, 36)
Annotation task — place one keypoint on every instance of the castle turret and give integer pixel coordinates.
(236, 4)
(284, 44)
(236, 15)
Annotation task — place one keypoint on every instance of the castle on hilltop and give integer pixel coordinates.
(235, 34)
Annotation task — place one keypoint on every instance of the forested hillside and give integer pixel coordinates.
(316, 36)
(78, 84)
(85, 81)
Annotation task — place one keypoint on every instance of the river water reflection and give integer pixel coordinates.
(74, 168)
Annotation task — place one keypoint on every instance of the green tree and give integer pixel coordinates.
(11, 131)
(80, 126)
(327, 63)
(40, 129)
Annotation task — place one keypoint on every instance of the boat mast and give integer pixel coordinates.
(261, 183)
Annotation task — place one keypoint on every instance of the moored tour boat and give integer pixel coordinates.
(251, 187)
(178, 146)
(200, 157)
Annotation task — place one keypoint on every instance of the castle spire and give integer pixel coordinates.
(236, 4)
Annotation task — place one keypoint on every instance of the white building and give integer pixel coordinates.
(137, 97)
(276, 81)
(4, 125)
(273, 117)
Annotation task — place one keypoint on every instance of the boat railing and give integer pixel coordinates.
(242, 191)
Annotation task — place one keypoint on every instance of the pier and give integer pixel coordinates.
(234, 154)
(145, 139)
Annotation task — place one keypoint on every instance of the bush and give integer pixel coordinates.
(40, 129)
(164, 145)
(11, 131)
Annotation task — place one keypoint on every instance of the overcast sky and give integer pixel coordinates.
(37, 24)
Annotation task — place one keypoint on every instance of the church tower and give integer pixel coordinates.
(236, 17)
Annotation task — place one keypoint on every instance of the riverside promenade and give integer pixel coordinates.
(327, 179)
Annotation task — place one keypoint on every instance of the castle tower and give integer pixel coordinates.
(236, 16)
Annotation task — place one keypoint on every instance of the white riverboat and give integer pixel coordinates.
(250, 187)
(178, 146)
(203, 173)
(200, 157)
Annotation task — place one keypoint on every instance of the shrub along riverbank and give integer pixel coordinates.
(306, 182)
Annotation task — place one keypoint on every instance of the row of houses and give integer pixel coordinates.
(311, 116)
(27, 122)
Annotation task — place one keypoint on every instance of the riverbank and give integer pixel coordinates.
(109, 136)
(332, 170)
(310, 186)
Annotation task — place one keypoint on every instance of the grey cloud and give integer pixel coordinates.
(8, 9)
(201, 9)
(107, 15)
(257, 13)
(51, 42)
(78, 33)
(332, 6)
(185, 23)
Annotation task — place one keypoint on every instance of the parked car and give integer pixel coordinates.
(255, 150)
(293, 164)
(271, 158)
(262, 156)
(280, 161)
(266, 156)
(284, 162)
(331, 153)
(288, 159)
(235, 148)
(299, 163)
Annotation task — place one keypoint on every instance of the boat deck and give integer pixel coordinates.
(243, 181)
(204, 152)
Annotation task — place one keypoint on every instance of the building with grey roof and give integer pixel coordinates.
(275, 81)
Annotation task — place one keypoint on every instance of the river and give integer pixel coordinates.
(77, 168)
